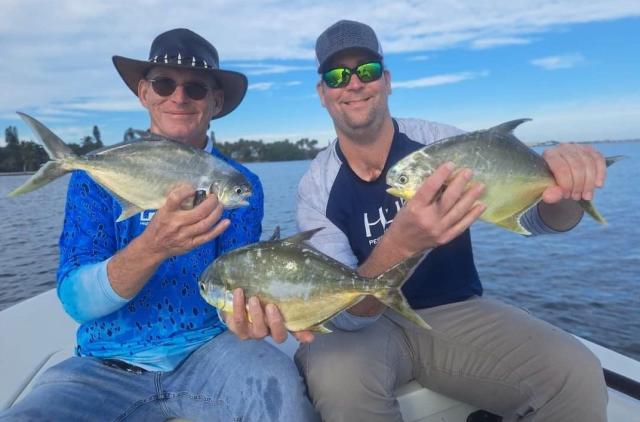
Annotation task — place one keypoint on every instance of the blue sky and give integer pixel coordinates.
(573, 66)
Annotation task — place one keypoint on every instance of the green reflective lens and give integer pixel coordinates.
(369, 72)
(340, 76)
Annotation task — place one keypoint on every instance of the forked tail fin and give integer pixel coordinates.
(56, 149)
(389, 291)
(588, 206)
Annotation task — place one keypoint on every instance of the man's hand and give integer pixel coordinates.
(440, 211)
(577, 169)
(255, 322)
(174, 231)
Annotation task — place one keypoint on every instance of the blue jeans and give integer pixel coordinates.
(224, 380)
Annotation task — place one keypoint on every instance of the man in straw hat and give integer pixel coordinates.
(149, 347)
(480, 351)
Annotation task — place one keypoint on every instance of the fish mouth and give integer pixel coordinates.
(400, 193)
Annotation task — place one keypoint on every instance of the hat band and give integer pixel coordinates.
(184, 61)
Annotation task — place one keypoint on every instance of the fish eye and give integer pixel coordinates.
(403, 179)
(239, 190)
(202, 286)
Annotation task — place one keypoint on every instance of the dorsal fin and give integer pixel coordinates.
(508, 127)
(302, 236)
(276, 234)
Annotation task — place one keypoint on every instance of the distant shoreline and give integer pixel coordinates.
(532, 145)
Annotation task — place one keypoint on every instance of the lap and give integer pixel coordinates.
(225, 379)
(76, 389)
(480, 351)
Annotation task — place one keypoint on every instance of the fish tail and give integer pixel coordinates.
(59, 153)
(614, 159)
(390, 294)
(588, 206)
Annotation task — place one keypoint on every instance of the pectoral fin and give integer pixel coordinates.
(512, 223)
(128, 209)
(320, 328)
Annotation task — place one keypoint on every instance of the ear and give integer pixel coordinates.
(320, 91)
(217, 100)
(143, 89)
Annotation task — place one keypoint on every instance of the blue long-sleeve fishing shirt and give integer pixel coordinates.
(167, 319)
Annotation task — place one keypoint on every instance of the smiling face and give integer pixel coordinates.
(358, 107)
(178, 116)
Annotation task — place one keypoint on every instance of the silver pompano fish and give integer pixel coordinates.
(514, 175)
(140, 173)
(307, 286)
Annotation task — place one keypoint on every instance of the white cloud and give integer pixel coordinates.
(256, 69)
(70, 59)
(261, 86)
(419, 58)
(566, 61)
(436, 80)
(265, 86)
(577, 120)
(483, 43)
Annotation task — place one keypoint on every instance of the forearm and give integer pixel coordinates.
(385, 255)
(86, 293)
(130, 269)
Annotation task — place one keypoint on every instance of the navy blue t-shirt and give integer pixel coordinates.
(362, 210)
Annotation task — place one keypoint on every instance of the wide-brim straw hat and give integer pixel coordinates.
(184, 49)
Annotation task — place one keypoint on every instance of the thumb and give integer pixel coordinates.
(177, 196)
(552, 194)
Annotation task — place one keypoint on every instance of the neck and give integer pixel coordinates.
(198, 142)
(367, 150)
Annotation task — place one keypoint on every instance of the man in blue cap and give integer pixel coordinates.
(149, 347)
(479, 351)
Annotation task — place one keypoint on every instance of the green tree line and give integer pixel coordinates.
(27, 156)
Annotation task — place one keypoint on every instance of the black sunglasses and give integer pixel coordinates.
(339, 77)
(165, 86)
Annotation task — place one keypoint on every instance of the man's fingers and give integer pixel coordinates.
(455, 189)
(601, 167)
(276, 323)
(238, 319)
(589, 174)
(561, 171)
(429, 189)
(207, 207)
(552, 194)
(464, 223)
(258, 328)
(464, 204)
(304, 336)
(177, 196)
(212, 234)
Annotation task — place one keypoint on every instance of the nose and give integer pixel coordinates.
(354, 82)
(180, 95)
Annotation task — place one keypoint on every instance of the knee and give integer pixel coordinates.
(344, 379)
(578, 373)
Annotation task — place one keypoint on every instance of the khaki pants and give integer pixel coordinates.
(480, 351)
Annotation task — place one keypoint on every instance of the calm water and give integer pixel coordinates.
(586, 281)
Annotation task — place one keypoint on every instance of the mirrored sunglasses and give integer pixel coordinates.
(165, 86)
(340, 76)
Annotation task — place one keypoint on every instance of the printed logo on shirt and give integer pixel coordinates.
(383, 218)
(146, 216)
